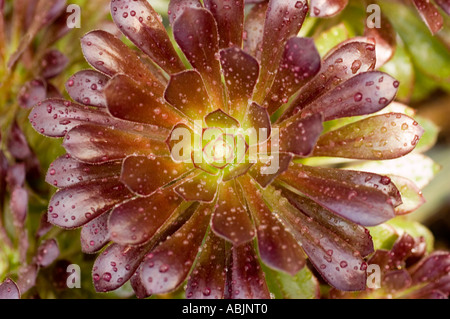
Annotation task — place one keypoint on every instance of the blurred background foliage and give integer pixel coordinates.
(421, 63)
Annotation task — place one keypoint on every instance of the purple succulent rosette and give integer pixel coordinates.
(166, 221)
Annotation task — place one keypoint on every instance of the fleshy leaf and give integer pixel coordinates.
(52, 64)
(145, 175)
(65, 172)
(201, 187)
(241, 72)
(299, 135)
(384, 136)
(430, 15)
(283, 20)
(300, 62)
(246, 279)
(365, 93)
(339, 65)
(168, 265)
(187, 93)
(109, 55)
(327, 8)
(137, 102)
(335, 259)
(86, 87)
(254, 29)
(136, 221)
(55, 117)
(176, 8)
(95, 234)
(257, 123)
(31, 93)
(357, 236)
(230, 21)
(207, 280)
(47, 253)
(264, 172)
(75, 206)
(143, 26)
(277, 248)
(9, 290)
(99, 144)
(231, 219)
(337, 191)
(195, 31)
(115, 265)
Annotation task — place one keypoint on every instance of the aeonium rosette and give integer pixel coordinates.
(186, 172)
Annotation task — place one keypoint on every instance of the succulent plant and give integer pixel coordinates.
(249, 105)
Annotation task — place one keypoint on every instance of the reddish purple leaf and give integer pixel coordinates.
(336, 260)
(198, 187)
(176, 8)
(52, 64)
(168, 265)
(109, 55)
(254, 29)
(430, 14)
(346, 193)
(300, 63)
(86, 87)
(245, 278)
(357, 236)
(32, 93)
(137, 221)
(207, 279)
(144, 175)
(143, 26)
(115, 266)
(27, 277)
(95, 234)
(100, 144)
(339, 65)
(44, 226)
(257, 124)
(138, 286)
(195, 31)
(230, 21)
(75, 206)
(384, 136)
(55, 117)
(299, 135)
(283, 20)
(9, 290)
(65, 172)
(17, 143)
(47, 253)
(277, 247)
(444, 4)
(187, 93)
(241, 73)
(365, 93)
(231, 219)
(137, 102)
(264, 172)
(327, 8)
